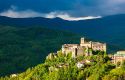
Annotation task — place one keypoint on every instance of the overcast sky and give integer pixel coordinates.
(74, 8)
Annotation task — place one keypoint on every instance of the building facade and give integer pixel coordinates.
(83, 48)
(118, 57)
(74, 49)
(93, 45)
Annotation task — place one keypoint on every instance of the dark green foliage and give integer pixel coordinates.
(97, 70)
(21, 48)
(108, 29)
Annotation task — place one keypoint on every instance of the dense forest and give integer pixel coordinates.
(99, 69)
(21, 48)
(109, 29)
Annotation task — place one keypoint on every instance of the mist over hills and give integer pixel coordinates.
(109, 29)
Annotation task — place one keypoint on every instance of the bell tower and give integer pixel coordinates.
(82, 40)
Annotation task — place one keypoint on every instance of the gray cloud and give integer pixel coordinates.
(75, 8)
(14, 13)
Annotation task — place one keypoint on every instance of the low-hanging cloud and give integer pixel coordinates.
(66, 16)
(13, 13)
(20, 14)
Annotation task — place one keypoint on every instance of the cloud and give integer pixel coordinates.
(116, 2)
(66, 16)
(20, 14)
(13, 13)
(75, 8)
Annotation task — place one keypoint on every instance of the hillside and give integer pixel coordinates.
(109, 29)
(21, 48)
(64, 67)
(25, 42)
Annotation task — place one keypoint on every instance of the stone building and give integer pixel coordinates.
(93, 45)
(83, 48)
(75, 49)
(118, 57)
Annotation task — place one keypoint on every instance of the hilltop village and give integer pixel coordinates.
(87, 48)
(85, 61)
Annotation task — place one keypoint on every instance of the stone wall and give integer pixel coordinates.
(79, 50)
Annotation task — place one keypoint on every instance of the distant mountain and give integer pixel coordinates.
(109, 29)
(24, 42)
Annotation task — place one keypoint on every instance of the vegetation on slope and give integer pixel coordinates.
(100, 69)
(21, 48)
(108, 29)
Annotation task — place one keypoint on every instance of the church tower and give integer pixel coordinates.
(82, 40)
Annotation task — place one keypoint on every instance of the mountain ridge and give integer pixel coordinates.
(109, 29)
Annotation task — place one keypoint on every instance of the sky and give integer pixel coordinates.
(70, 9)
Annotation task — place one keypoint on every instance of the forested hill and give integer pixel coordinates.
(23, 45)
(109, 29)
(63, 67)
(21, 48)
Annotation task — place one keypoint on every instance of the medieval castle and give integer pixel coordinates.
(84, 48)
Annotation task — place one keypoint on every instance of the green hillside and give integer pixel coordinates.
(64, 67)
(21, 48)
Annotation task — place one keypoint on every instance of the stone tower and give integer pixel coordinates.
(82, 40)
